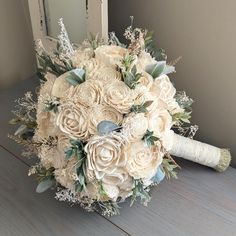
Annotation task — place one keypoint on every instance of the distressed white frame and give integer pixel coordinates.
(97, 20)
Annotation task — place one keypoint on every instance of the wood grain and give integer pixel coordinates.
(200, 202)
(25, 213)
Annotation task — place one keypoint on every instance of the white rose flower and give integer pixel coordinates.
(107, 74)
(142, 161)
(101, 112)
(118, 184)
(144, 59)
(105, 154)
(91, 66)
(110, 54)
(87, 93)
(165, 91)
(73, 120)
(142, 95)
(111, 191)
(159, 121)
(146, 80)
(118, 95)
(135, 126)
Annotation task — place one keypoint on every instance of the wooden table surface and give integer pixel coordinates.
(200, 202)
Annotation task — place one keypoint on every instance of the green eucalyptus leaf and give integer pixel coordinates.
(69, 153)
(69, 78)
(79, 74)
(76, 142)
(168, 70)
(45, 185)
(155, 69)
(106, 127)
(21, 130)
(14, 121)
(76, 76)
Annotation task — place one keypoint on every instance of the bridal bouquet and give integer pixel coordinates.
(106, 120)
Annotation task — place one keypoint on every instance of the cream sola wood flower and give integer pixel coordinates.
(97, 70)
(142, 160)
(164, 90)
(106, 159)
(72, 120)
(100, 113)
(87, 94)
(135, 126)
(105, 154)
(110, 55)
(118, 95)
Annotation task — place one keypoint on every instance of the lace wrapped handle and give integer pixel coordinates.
(201, 153)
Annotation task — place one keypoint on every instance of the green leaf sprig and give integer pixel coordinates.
(141, 108)
(76, 76)
(77, 151)
(45, 178)
(129, 71)
(159, 68)
(150, 46)
(139, 191)
(149, 138)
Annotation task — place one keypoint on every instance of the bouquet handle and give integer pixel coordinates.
(202, 153)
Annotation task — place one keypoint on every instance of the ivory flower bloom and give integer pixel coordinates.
(142, 161)
(73, 120)
(118, 95)
(117, 184)
(101, 112)
(91, 67)
(110, 54)
(135, 126)
(165, 91)
(144, 59)
(107, 74)
(159, 121)
(105, 154)
(87, 93)
(146, 80)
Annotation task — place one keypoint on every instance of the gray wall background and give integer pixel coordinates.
(17, 58)
(203, 32)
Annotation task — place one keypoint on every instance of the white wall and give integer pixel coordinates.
(17, 59)
(73, 13)
(204, 33)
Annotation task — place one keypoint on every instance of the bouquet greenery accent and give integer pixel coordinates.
(102, 126)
